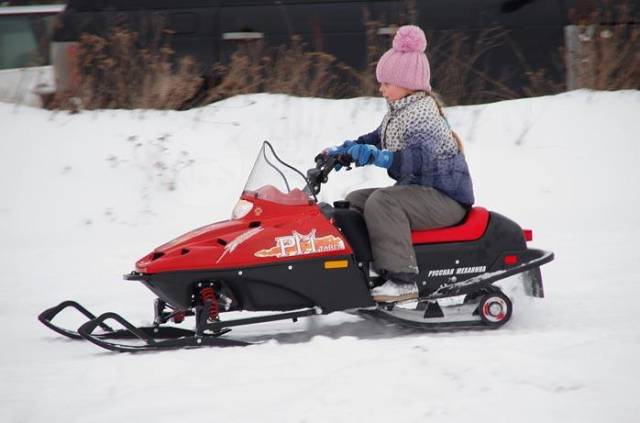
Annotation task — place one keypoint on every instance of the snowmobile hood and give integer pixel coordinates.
(269, 233)
(210, 236)
(203, 234)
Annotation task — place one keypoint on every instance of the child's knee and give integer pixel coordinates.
(377, 203)
(352, 197)
(356, 200)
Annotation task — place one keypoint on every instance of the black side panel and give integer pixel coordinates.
(442, 264)
(354, 228)
(284, 286)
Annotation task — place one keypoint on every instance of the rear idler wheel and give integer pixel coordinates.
(495, 309)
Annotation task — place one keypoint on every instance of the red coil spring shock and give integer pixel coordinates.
(209, 294)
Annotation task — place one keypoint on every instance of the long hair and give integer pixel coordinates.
(436, 98)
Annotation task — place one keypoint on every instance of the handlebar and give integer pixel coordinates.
(324, 165)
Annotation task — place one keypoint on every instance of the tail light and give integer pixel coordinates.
(511, 260)
(528, 234)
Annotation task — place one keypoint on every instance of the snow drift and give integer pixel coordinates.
(84, 196)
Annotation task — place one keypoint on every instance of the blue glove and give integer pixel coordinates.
(364, 154)
(340, 149)
(336, 150)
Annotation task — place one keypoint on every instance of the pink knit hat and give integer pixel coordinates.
(405, 64)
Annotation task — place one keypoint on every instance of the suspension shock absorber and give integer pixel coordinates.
(209, 293)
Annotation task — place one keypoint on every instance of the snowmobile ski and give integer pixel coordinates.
(207, 334)
(150, 340)
(108, 332)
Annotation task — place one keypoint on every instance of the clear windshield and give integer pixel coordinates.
(273, 180)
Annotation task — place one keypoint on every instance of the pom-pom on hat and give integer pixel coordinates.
(405, 64)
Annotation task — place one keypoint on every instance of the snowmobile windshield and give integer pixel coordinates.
(272, 179)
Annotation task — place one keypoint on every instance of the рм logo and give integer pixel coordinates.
(299, 244)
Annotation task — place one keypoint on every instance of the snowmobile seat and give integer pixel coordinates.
(354, 228)
(472, 227)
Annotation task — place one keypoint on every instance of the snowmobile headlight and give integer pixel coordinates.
(241, 209)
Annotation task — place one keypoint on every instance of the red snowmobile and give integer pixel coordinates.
(283, 251)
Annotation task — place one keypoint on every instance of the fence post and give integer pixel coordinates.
(579, 56)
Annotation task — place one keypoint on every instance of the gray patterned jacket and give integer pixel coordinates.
(425, 152)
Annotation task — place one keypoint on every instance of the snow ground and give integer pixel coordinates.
(83, 196)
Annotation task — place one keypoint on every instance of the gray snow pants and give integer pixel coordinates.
(392, 212)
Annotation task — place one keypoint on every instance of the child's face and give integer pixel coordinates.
(393, 92)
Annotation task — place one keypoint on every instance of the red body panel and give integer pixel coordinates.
(473, 228)
(270, 233)
(275, 232)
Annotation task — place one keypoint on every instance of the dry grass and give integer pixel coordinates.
(457, 73)
(290, 69)
(607, 53)
(120, 71)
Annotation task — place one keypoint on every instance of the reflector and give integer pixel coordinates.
(336, 264)
(510, 260)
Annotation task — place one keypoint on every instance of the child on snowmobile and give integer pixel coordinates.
(417, 147)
